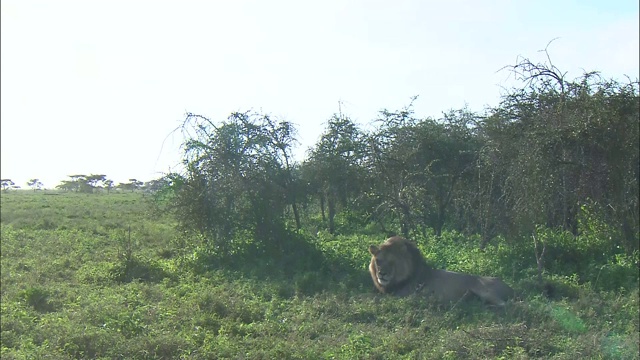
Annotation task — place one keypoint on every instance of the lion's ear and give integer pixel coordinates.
(373, 249)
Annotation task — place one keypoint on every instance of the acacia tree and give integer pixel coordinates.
(155, 185)
(6, 184)
(481, 207)
(78, 183)
(132, 185)
(239, 177)
(67, 185)
(108, 184)
(390, 148)
(420, 167)
(83, 183)
(94, 181)
(556, 145)
(282, 135)
(416, 166)
(334, 166)
(445, 161)
(35, 184)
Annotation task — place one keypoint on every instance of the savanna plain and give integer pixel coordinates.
(108, 276)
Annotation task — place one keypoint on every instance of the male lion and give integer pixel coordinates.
(397, 267)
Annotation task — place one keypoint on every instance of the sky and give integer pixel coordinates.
(98, 87)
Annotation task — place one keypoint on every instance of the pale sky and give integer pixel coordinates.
(97, 87)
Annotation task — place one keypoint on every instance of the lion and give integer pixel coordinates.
(397, 267)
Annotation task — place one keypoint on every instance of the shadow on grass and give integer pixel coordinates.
(293, 261)
(137, 269)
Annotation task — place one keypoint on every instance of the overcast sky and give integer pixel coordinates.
(99, 86)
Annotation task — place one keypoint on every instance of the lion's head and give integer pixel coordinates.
(397, 267)
(394, 263)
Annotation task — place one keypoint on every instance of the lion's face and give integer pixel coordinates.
(384, 265)
(389, 263)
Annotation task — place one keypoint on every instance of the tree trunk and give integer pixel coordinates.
(332, 213)
(324, 217)
(405, 221)
(296, 215)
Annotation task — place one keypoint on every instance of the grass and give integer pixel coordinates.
(103, 276)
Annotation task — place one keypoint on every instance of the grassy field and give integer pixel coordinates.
(104, 276)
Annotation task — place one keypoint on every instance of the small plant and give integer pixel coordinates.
(37, 298)
(567, 319)
(358, 347)
(129, 266)
(125, 253)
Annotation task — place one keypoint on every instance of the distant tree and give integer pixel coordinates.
(67, 185)
(123, 186)
(77, 177)
(35, 184)
(7, 184)
(80, 184)
(135, 184)
(132, 185)
(95, 181)
(108, 184)
(153, 186)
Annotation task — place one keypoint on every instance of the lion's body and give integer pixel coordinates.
(397, 267)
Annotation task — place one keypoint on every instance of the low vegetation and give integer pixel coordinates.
(104, 276)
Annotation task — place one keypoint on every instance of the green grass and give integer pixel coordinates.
(103, 276)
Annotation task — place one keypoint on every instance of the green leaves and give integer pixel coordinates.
(238, 177)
